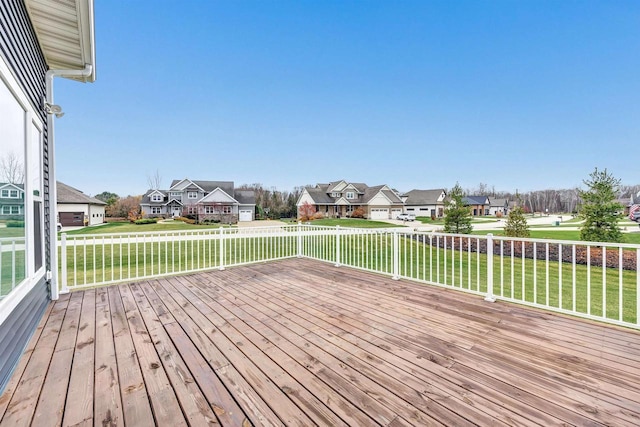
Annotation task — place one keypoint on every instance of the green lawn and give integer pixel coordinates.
(428, 220)
(527, 280)
(8, 232)
(127, 227)
(352, 223)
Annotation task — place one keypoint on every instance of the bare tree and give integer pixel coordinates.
(154, 181)
(11, 169)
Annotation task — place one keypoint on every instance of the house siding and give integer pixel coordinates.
(15, 334)
(21, 52)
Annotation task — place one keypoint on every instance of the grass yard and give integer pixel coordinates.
(352, 223)
(127, 227)
(12, 265)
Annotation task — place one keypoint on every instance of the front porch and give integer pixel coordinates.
(300, 342)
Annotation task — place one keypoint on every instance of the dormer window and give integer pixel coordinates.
(335, 194)
(10, 194)
(351, 195)
(156, 198)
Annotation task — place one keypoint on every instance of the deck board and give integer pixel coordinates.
(300, 342)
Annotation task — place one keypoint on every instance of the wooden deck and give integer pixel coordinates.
(299, 342)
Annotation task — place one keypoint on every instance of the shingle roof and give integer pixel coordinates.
(68, 194)
(475, 200)
(424, 197)
(245, 197)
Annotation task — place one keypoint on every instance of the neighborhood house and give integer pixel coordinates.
(203, 201)
(425, 202)
(11, 201)
(341, 198)
(77, 209)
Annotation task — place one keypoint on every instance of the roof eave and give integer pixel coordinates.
(66, 34)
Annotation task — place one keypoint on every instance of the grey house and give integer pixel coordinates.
(39, 40)
(202, 200)
(425, 202)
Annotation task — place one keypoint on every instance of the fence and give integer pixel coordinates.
(594, 280)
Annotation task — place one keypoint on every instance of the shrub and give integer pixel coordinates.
(357, 213)
(499, 214)
(15, 224)
(145, 221)
(318, 215)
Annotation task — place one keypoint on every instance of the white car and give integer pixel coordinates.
(59, 227)
(406, 217)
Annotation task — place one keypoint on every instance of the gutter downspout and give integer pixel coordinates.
(53, 195)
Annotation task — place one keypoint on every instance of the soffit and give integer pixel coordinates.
(65, 31)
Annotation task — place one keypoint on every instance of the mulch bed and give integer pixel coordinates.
(583, 254)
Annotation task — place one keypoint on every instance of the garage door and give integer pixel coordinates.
(379, 213)
(395, 213)
(71, 219)
(245, 215)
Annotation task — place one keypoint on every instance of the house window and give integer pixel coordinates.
(192, 210)
(192, 194)
(335, 194)
(351, 195)
(350, 208)
(175, 195)
(10, 194)
(410, 209)
(5, 194)
(209, 209)
(156, 210)
(226, 209)
(156, 198)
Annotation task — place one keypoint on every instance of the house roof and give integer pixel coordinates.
(499, 202)
(8, 184)
(209, 186)
(424, 197)
(476, 200)
(245, 197)
(66, 34)
(68, 194)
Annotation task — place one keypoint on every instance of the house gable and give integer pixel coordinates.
(342, 202)
(183, 185)
(218, 196)
(380, 199)
(337, 187)
(305, 197)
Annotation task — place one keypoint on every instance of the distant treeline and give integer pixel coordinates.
(556, 201)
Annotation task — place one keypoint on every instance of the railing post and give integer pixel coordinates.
(396, 256)
(337, 246)
(490, 297)
(63, 265)
(221, 267)
(299, 237)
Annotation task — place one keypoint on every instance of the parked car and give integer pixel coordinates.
(635, 216)
(406, 217)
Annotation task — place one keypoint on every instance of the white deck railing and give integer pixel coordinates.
(12, 263)
(595, 280)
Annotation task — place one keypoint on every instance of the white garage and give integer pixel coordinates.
(245, 215)
(379, 213)
(395, 213)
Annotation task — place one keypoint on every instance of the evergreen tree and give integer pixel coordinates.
(600, 210)
(457, 216)
(516, 225)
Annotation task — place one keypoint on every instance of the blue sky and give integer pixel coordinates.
(520, 95)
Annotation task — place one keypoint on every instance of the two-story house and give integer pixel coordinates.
(11, 201)
(341, 198)
(425, 202)
(202, 200)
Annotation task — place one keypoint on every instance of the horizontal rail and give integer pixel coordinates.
(595, 280)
